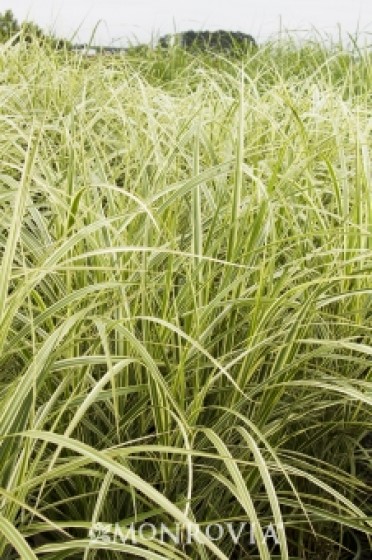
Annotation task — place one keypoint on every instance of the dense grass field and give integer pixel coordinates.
(186, 303)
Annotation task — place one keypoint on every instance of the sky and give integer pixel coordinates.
(140, 20)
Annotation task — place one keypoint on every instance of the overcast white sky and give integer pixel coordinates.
(141, 18)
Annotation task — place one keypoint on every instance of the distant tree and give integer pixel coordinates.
(30, 32)
(9, 26)
(219, 41)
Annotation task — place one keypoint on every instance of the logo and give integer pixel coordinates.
(180, 534)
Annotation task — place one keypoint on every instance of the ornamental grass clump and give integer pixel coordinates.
(185, 303)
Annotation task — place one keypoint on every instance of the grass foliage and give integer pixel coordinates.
(185, 299)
